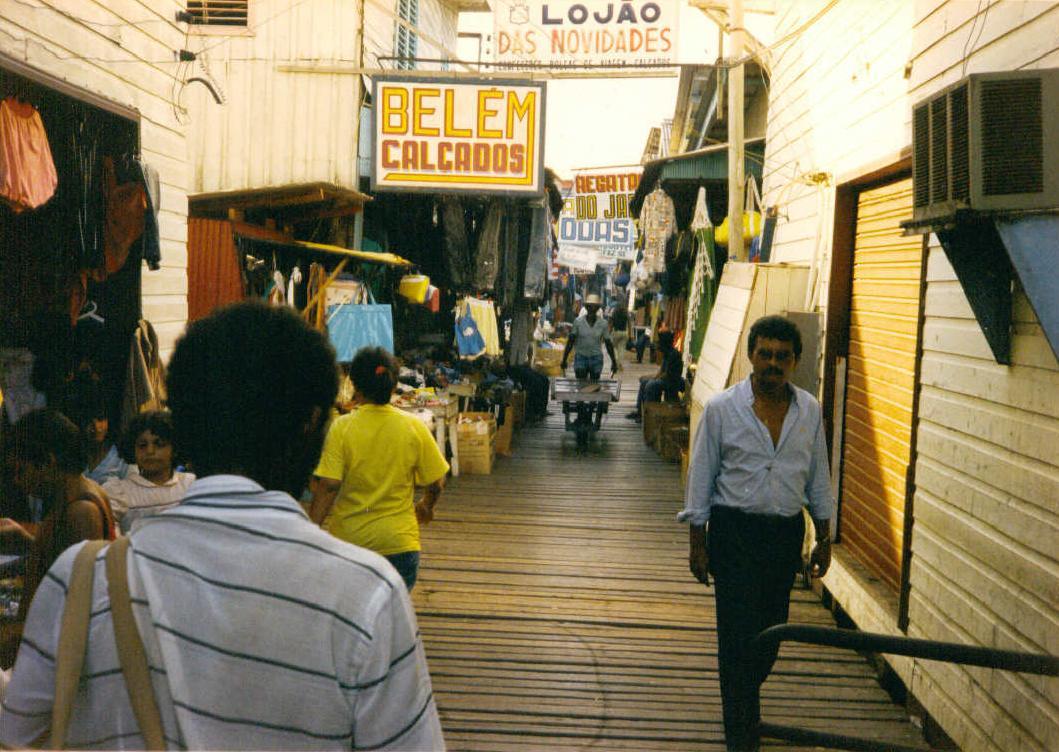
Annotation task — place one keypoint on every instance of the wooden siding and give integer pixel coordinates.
(438, 21)
(276, 128)
(880, 383)
(984, 565)
(122, 50)
(985, 568)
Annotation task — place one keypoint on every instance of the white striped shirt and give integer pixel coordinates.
(134, 497)
(261, 631)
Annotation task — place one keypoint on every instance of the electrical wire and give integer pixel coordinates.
(967, 54)
(798, 31)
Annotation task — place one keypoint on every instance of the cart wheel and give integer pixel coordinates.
(583, 432)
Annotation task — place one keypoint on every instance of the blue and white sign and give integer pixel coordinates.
(596, 215)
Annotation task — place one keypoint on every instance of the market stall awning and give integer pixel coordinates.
(702, 165)
(326, 199)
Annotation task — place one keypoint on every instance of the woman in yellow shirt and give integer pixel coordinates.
(372, 461)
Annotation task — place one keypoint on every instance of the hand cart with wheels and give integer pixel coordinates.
(585, 402)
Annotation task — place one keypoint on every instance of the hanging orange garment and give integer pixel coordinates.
(27, 172)
(126, 206)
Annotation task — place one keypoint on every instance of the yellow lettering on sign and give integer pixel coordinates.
(451, 131)
(484, 113)
(389, 110)
(419, 110)
(520, 110)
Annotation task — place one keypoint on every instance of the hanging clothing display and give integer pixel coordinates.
(277, 293)
(487, 256)
(126, 206)
(27, 173)
(351, 327)
(152, 243)
(458, 263)
(658, 221)
(540, 247)
(676, 314)
(295, 280)
(703, 280)
(476, 320)
(484, 313)
(469, 340)
(145, 382)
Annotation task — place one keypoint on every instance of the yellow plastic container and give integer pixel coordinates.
(751, 228)
(413, 287)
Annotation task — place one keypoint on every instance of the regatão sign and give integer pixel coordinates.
(467, 136)
(596, 214)
(586, 32)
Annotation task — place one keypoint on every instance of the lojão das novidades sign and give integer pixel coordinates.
(480, 136)
(571, 33)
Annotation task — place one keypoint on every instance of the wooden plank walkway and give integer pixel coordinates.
(558, 612)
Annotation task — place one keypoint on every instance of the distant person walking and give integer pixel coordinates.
(373, 459)
(758, 459)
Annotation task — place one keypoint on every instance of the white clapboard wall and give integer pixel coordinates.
(984, 566)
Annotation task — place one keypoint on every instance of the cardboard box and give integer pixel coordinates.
(504, 435)
(476, 437)
(477, 462)
(673, 440)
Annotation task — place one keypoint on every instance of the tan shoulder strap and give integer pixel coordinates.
(73, 637)
(130, 647)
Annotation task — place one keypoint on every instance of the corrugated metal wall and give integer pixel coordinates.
(880, 382)
(214, 277)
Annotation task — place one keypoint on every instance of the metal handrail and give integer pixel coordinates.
(948, 652)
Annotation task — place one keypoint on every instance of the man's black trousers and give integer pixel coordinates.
(753, 559)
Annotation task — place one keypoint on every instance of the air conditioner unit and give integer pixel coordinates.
(989, 143)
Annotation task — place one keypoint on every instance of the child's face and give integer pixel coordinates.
(154, 454)
(96, 430)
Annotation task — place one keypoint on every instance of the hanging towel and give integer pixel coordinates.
(27, 171)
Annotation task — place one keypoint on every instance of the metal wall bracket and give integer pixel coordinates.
(981, 263)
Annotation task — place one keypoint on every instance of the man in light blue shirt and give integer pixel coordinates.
(759, 457)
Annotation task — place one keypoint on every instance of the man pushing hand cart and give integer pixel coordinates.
(586, 398)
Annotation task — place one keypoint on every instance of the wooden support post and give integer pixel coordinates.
(736, 168)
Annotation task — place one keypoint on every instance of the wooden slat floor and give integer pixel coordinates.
(558, 613)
